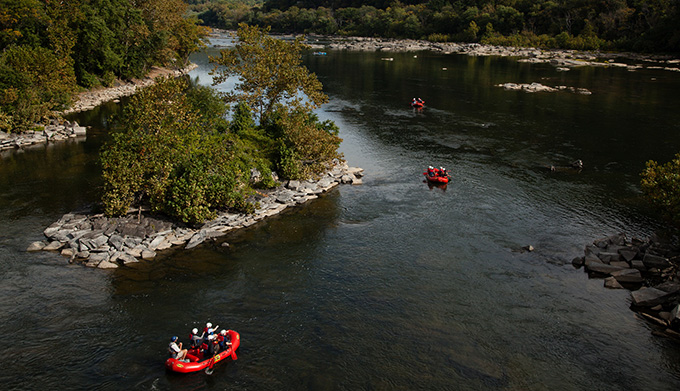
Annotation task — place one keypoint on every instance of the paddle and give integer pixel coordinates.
(209, 369)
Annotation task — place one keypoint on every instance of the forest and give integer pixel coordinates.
(50, 49)
(622, 25)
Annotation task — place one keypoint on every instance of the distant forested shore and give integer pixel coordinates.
(617, 25)
(51, 50)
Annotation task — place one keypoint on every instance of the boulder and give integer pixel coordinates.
(630, 276)
(148, 254)
(655, 261)
(198, 238)
(107, 265)
(36, 246)
(612, 283)
(117, 242)
(601, 268)
(648, 297)
(628, 254)
(53, 246)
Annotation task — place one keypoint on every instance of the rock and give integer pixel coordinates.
(608, 257)
(601, 268)
(631, 276)
(638, 264)
(578, 262)
(284, 196)
(628, 254)
(293, 185)
(655, 261)
(648, 297)
(674, 318)
(117, 242)
(107, 265)
(669, 287)
(68, 252)
(53, 246)
(612, 283)
(36, 246)
(195, 240)
(148, 254)
(156, 242)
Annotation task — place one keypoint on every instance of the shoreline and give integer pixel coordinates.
(60, 129)
(560, 58)
(96, 241)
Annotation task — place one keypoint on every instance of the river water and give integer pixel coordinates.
(387, 285)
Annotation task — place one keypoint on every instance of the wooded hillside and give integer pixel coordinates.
(637, 25)
(49, 49)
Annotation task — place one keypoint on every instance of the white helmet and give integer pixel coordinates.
(194, 331)
(223, 332)
(208, 325)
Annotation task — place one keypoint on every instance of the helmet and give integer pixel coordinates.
(174, 338)
(223, 332)
(430, 167)
(194, 331)
(208, 325)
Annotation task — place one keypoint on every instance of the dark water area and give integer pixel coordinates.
(387, 285)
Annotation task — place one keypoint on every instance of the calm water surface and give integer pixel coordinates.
(388, 285)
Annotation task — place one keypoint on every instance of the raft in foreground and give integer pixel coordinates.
(198, 362)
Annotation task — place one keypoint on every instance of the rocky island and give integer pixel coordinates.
(108, 243)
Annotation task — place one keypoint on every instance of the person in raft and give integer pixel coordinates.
(176, 350)
(431, 171)
(223, 340)
(212, 344)
(196, 340)
(442, 172)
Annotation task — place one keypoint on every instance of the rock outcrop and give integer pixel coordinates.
(109, 243)
(650, 269)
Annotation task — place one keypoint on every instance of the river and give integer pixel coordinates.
(387, 285)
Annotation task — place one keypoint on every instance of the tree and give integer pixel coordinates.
(269, 72)
(661, 185)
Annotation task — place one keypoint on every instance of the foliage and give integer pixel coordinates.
(661, 185)
(91, 42)
(269, 72)
(585, 24)
(166, 157)
(33, 82)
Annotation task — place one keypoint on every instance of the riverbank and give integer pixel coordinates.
(562, 59)
(58, 129)
(94, 240)
(650, 269)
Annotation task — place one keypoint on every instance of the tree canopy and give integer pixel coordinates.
(637, 25)
(49, 49)
(177, 154)
(269, 72)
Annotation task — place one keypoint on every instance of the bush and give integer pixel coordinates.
(661, 185)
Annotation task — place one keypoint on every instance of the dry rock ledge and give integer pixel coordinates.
(561, 59)
(59, 129)
(650, 269)
(109, 243)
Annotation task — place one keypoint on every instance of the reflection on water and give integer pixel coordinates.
(390, 285)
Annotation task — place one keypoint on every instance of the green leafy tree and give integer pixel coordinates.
(269, 72)
(661, 185)
(167, 158)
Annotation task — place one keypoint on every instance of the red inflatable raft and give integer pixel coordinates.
(196, 360)
(418, 104)
(437, 179)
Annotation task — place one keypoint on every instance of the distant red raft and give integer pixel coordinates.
(198, 362)
(437, 179)
(418, 104)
